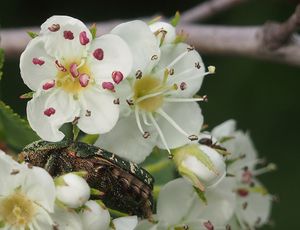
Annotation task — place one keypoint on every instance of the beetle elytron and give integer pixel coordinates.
(125, 185)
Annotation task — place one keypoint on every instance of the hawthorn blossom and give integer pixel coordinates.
(178, 208)
(27, 196)
(73, 76)
(158, 107)
(253, 202)
(200, 164)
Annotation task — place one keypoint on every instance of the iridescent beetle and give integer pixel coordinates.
(126, 186)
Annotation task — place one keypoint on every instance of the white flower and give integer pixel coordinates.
(27, 196)
(94, 216)
(179, 207)
(74, 77)
(72, 190)
(66, 219)
(252, 203)
(160, 109)
(125, 223)
(202, 165)
(164, 32)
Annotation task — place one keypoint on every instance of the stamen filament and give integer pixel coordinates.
(138, 121)
(177, 59)
(171, 121)
(172, 99)
(145, 119)
(149, 96)
(159, 132)
(269, 168)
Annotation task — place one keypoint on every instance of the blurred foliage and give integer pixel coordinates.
(263, 97)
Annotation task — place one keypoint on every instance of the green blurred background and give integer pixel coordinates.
(263, 97)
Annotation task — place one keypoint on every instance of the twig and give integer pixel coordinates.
(257, 42)
(208, 9)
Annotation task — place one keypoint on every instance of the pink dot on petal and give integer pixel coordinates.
(37, 61)
(68, 35)
(98, 54)
(83, 38)
(84, 80)
(49, 112)
(117, 76)
(49, 85)
(108, 85)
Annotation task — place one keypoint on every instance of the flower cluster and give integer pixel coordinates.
(136, 86)
(31, 199)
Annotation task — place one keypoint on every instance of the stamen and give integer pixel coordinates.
(146, 135)
(137, 118)
(160, 133)
(154, 57)
(117, 76)
(197, 65)
(129, 102)
(172, 122)
(208, 225)
(183, 86)
(49, 85)
(83, 38)
(37, 61)
(54, 27)
(145, 119)
(98, 54)
(177, 59)
(68, 35)
(138, 74)
(172, 99)
(242, 192)
(74, 70)
(60, 66)
(84, 80)
(117, 101)
(49, 112)
(149, 96)
(269, 168)
(108, 85)
(211, 69)
(88, 113)
(193, 137)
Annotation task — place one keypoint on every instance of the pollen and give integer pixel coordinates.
(17, 210)
(148, 86)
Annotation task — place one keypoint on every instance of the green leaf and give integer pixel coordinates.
(76, 131)
(1, 62)
(93, 30)
(17, 132)
(201, 195)
(175, 20)
(28, 95)
(32, 34)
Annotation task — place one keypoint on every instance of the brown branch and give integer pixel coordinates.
(256, 42)
(208, 9)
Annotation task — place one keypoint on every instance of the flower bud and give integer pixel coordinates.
(72, 190)
(201, 164)
(94, 216)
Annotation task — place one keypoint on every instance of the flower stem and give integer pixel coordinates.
(156, 167)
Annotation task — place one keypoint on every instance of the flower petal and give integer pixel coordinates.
(221, 202)
(125, 223)
(98, 113)
(258, 208)
(188, 68)
(127, 141)
(66, 219)
(62, 37)
(39, 187)
(107, 54)
(143, 44)
(175, 201)
(146, 225)
(186, 115)
(225, 129)
(165, 30)
(36, 65)
(47, 126)
(94, 217)
(42, 219)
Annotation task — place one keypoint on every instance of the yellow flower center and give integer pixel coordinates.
(68, 80)
(17, 210)
(147, 86)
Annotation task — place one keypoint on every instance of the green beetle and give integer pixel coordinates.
(126, 186)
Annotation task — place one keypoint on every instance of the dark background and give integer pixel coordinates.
(263, 97)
